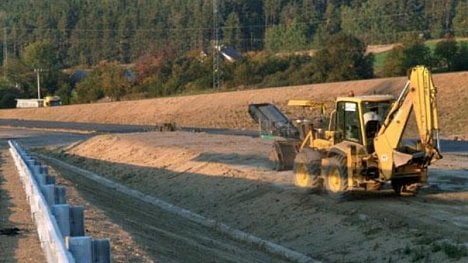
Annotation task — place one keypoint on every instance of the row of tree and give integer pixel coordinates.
(344, 59)
(165, 41)
(166, 73)
(86, 32)
(448, 55)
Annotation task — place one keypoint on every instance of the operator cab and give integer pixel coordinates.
(358, 119)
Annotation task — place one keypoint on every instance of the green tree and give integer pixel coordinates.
(8, 97)
(446, 52)
(42, 56)
(106, 80)
(393, 64)
(126, 31)
(112, 80)
(344, 58)
(232, 31)
(295, 37)
(460, 21)
(372, 21)
(461, 59)
(286, 38)
(413, 18)
(416, 53)
(272, 10)
(331, 24)
(401, 58)
(274, 38)
(88, 90)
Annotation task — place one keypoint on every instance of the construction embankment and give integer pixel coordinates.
(229, 109)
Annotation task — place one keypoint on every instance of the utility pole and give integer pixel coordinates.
(217, 71)
(5, 52)
(38, 70)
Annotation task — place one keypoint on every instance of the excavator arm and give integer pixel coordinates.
(419, 95)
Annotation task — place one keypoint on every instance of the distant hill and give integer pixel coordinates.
(86, 32)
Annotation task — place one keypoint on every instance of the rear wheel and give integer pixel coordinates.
(307, 169)
(336, 177)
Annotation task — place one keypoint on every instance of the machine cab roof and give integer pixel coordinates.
(368, 98)
(359, 118)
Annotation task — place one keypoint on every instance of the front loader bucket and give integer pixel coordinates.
(272, 121)
(283, 154)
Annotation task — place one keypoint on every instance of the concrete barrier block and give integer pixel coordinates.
(40, 178)
(80, 248)
(44, 169)
(48, 191)
(62, 216)
(50, 179)
(101, 251)
(29, 162)
(36, 169)
(60, 194)
(77, 221)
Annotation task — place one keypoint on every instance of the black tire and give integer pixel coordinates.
(336, 178)
(307, 169)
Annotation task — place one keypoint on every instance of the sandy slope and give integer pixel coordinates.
(228, 109)
(229, 178)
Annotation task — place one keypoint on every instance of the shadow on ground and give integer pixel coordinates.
(285, 216)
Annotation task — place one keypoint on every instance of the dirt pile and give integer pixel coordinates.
(229, 109)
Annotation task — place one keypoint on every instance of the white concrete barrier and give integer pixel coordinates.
(55, 220)
(49, 234)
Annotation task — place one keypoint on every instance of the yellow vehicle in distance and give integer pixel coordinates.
(51, 101)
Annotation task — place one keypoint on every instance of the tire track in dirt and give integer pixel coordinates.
(161, 234)
(370, 227)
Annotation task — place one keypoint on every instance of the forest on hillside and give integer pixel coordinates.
(86, 32)
(129, 49)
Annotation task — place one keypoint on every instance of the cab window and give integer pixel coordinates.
(347, 121)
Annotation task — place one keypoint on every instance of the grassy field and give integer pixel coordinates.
(381, 56)
(379, 60)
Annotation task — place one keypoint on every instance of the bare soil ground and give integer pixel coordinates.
(229, 178)
(229, 109)
(23, 246)
(141, 232)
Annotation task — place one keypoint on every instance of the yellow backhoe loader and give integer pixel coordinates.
(362, 147)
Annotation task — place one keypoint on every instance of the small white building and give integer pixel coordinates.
(29, 103)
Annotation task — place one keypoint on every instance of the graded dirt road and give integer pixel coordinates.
(229, 178)
(139, 232)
